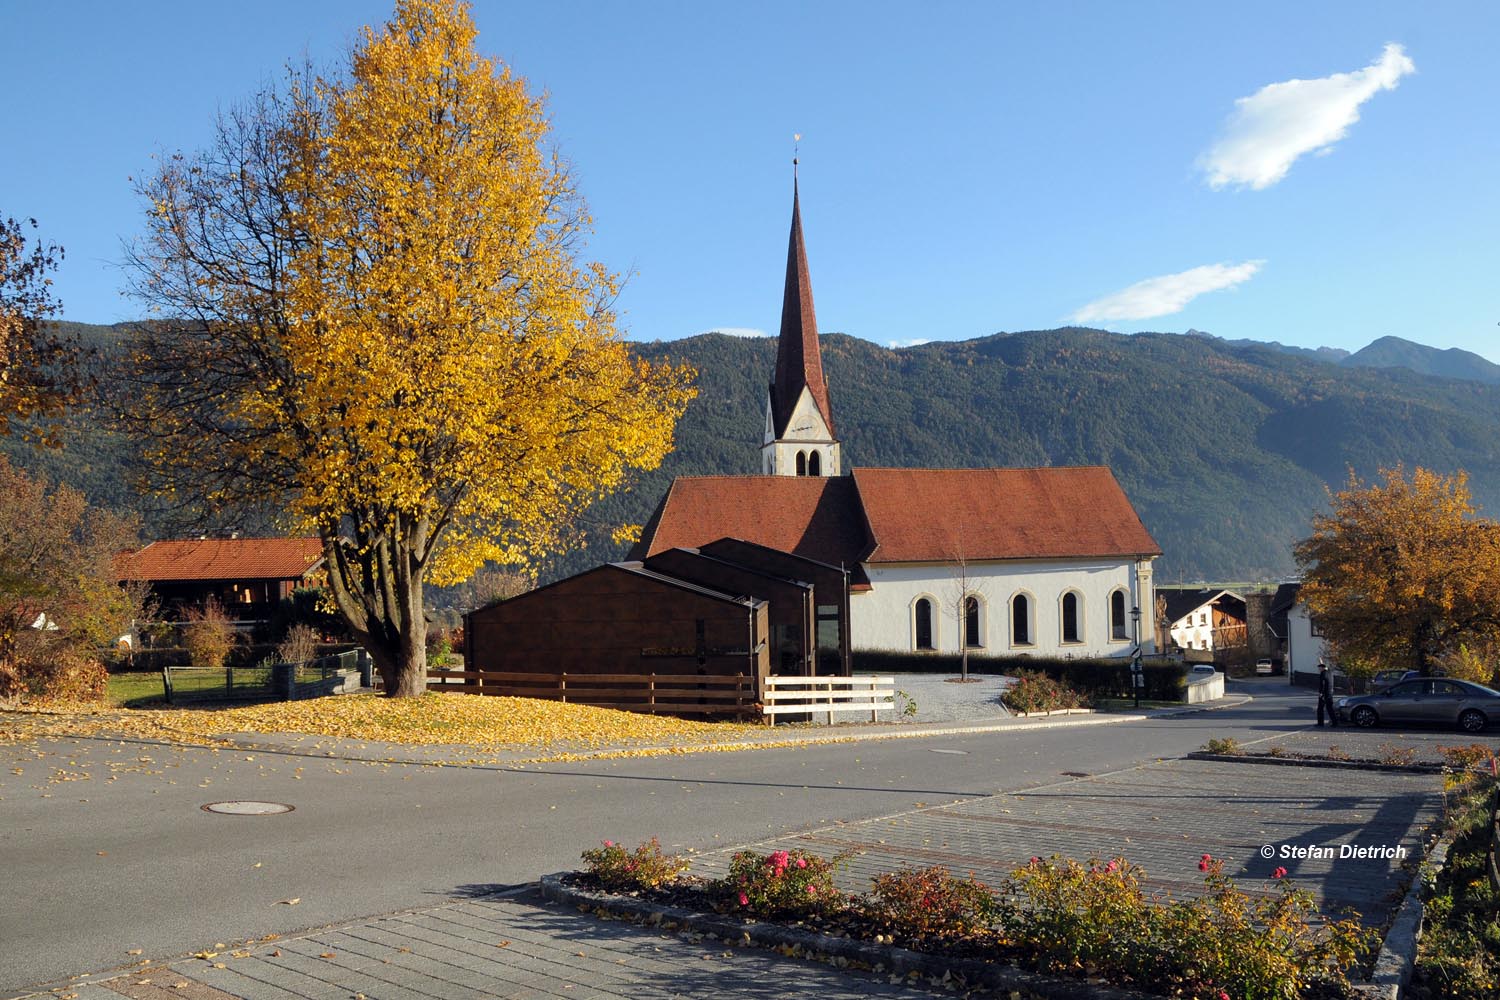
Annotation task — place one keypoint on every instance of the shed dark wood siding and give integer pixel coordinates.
(830, 589)
(792, 613)
(616, 619)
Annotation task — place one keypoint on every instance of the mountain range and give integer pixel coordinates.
(1226, 448)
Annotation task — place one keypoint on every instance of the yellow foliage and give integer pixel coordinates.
(1402, 571)
(480, 723)
(417, 363)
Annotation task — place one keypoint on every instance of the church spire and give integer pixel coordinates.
(799, 362)
(799, 437)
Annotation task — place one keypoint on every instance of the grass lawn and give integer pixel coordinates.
(144, 688)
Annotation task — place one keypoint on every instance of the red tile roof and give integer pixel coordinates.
(810, 516)
(225, 559)
(938, 515)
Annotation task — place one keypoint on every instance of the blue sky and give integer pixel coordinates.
(1318, 174)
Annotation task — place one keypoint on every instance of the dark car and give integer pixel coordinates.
(1438, 700)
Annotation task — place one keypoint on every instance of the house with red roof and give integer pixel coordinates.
(248, 576)
(1045, 561)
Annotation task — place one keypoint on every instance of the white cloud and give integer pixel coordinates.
(735, 331)
(1167, 294)
(895, 344)
(1280, 122)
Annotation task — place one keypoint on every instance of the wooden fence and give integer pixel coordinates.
(671, 694)
(787, 695)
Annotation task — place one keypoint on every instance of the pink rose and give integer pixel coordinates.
(801, 862)
(1279, 873)
(609, 843)
(744, 899)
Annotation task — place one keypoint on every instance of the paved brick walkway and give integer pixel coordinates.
(518, 948)
(1162, 816)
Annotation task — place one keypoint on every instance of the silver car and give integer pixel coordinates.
(1436, 700)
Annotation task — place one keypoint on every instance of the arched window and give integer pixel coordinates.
(814, 464)
(801, 463)
(1117, 615)
(922, 623)
(1020, 620)
(973, 623)
(1072, 617)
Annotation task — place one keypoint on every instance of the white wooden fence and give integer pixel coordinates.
(805, 695)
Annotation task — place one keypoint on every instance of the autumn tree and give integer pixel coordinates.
(59, 596)
(1402, 572)
(39, 373)
(371, 311)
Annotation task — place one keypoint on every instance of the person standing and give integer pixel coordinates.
(1325, 695)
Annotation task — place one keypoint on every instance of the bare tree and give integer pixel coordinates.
(966, 598)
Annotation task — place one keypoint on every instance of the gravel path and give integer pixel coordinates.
(939, 698)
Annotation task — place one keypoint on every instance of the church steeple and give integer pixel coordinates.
(799, 436)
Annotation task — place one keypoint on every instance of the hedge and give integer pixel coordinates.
(1096, 678)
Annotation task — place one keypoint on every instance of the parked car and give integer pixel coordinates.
(1439, 700)
(1200, 671)
(1264, 666)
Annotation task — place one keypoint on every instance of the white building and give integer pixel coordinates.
(1044, 561)
(1304, 647)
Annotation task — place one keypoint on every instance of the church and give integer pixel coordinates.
(1044, 561)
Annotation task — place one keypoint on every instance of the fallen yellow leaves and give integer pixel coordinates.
(470, 721)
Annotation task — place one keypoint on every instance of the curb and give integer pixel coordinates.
(1398, 952)
(843, 952)
(1347, 765)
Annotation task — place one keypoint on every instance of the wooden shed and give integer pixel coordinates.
(623, 636)
(793, 609)
(830, 594)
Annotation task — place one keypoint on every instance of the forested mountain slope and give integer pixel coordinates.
(1224, 447)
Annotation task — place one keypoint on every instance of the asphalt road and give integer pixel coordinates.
(105, 849)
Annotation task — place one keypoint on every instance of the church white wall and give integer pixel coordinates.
(882, 617)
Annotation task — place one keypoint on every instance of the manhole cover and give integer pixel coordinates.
(960, 753)
(244, 808)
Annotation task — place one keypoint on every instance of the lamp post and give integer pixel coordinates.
(1135, 662)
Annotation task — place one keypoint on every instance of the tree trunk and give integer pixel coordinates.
(378, 591)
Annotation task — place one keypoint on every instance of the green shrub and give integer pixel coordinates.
(299, 645)
(1096, 678)
(644, 868)
(1396, 755)
(1072, 916)
(1277, 947)
(1037, 692)
(779, 884)
(1469, 758)
(1459, 954)
(1068, 915)
(208, 635)
(1225, 745)
(930, 902)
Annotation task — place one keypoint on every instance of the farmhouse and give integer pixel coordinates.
(248, 576)
(1204, 619)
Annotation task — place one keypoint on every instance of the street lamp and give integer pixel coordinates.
(1135, 662)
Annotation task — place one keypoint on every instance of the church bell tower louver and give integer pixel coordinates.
(799, 438)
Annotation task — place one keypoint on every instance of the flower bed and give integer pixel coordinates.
(1057, 917)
